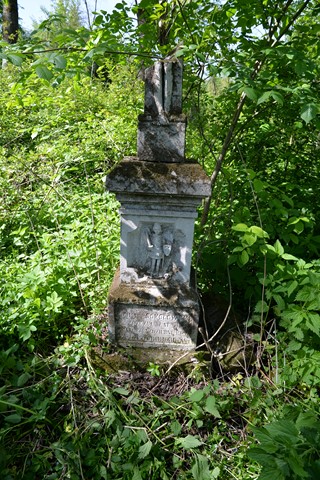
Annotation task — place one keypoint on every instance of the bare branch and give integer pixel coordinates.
(108, 52)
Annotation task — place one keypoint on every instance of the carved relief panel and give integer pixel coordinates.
(156, 250)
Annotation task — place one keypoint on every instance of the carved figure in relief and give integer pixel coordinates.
(158, 249)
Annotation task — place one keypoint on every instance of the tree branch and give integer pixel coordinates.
(108, 52)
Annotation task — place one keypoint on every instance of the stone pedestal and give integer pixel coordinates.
(153, 314)
(152, 302)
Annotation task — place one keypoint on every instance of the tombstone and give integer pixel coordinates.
(153, 303)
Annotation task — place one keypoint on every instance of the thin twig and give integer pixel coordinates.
(88, 14)
(107, 52)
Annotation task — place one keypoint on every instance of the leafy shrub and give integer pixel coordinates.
(289, 448)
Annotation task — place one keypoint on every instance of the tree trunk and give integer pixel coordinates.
(10, 21)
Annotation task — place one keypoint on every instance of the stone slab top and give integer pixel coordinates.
(134, 176)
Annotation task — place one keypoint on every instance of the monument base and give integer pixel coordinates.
(154, 315)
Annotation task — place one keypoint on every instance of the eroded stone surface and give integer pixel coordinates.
(162, 127)
(161, 142)
(146, 327)
(163, 89)
(139, 177)
(153, 315)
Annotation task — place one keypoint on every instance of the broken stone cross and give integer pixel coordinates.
(153, 303)
(162, 127)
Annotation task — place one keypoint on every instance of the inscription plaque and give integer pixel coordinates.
(142, 326)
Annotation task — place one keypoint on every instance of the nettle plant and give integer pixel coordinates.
(289, 448)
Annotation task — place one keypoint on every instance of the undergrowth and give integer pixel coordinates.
(65, 417)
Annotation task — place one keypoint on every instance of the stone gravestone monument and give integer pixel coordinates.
(152, 302)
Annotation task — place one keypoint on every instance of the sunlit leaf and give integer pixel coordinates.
(278, 248)
(189, 442)
(309, 111)
(144, 450)
(243, 257)
(251, 93)
(240, 227)
(211, 407)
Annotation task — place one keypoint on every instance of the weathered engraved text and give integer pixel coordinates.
(147, 327)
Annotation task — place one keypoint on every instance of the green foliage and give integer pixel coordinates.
(59, 235)
(289, 448)
(153, 369)
(61, 132)
(102, 431)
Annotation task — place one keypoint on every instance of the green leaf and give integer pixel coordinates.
(269, 473)
(261, 307)
(175, 428)
(309, 111)
(240, 227)
(37, 302)
(306, 420)
(306, 294)
(283, 429)
(22, 379)
(189, 442)
(15, 59)
(267, 444)
(136, 475)
(264, 97)
(25, 331)
(43, 72)
(287, 256)
(13, 418)
(144, 450)
(258, 185)
(248, 239)
(60, 61)
(259, 232)
(293, 285)
(267, 248)
(271, 94)
(259, 455)
(278, 248)
(296, 465)
(280, 301)
(293, 220)
(231, 12)
(313, 322)
(251, 93)
(211, 407)
(215, 472)
(243, 258)
(196, 395)
(200, 469)
(277, 97)
(121, 391)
